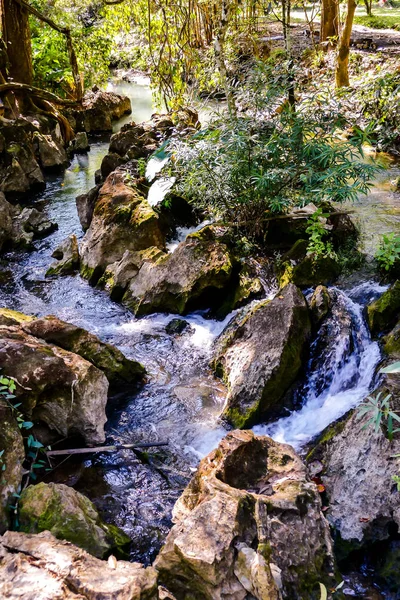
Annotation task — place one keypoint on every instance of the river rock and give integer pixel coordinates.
(320, 303)
(11, 460)
(80, 144)
(51, 152)
(249, 524)
(262, 356)
(99, 110)
(303, 269)
(196, 274)
(6, 211)
(40, 567)
(107, 358)
(85, 204)
(69, 516)
(383, 312)
(57, 387)
(67, 257)
(122, 220)
(177, 326)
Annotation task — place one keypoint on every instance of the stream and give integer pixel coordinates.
(182, 400)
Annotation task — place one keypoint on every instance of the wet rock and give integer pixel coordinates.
(109, 163)
(122, 220)
(194, 275)
(100, 109)
(13, 317)
(320, 303)
(177, 326)
(51, 152)
(80, 144)
(69, 516)
(249, 523)
(67, 257)
(11, 460)
(110, 360)
(383, 312)
(389, 569)
(57, 387)
(30, 224)
(40, 567)
(85, 204)
(260, 358)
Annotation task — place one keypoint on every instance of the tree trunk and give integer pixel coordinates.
(368, 7)
(16, 34)
(342, 64)
(329, 31)
(219, 54)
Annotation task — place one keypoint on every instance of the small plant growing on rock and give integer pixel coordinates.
(388, 253)
(317, 245)
(379, 413)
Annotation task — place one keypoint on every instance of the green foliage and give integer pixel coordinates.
(270, 159)
(317, 231)
(390, 369)
(388, 253)
(379, 413)
(383, 21)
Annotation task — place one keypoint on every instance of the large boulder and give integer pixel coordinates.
(197, 273)
(40, 567)
(122, 220)
(307, 269)
(261, 356)
(249, 525)
(85, 204)
(383, 312)
(51, 153)
(107, 358)
(57, 387)
(99, 110)
(11, 460)
(69, 516)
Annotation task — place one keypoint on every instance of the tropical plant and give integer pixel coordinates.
(388, 253)
(379, 413)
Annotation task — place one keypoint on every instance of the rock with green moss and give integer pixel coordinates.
(122, 220)
(69, 516)
(196, 275)
(11, 461)
(67, 257)
(55, 386)
(117, 368)
(262, 356)
(248, 524)
(41, 567)
(383, 312)
(304, 269)
(392, 342)
(13, 317)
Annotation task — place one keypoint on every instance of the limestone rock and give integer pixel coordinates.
(13, 455)
(67, 257)
(195, 274)
(85, 206)
(100, 109)
(249, 522)
(107, 358)
(30, 224)
(69, 516)
(320, 303)
(40, 567)
(52, 155)
(262, 356)
(81, 143)
(383, 312)
(57, 387)
(122, 220)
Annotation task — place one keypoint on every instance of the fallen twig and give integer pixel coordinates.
(105, 448)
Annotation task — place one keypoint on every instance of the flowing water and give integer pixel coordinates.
(182, 400)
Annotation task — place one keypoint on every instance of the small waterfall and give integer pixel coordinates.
(340, 371)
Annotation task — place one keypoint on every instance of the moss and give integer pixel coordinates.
(392, 342)
(241, 419)
(14, 315)
(309, 271)
(383, 312)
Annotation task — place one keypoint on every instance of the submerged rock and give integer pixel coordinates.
(122, 220)
(11, 460)
(69, 516)
(67, 257)
(261, 357)
(57, 387)
(249, 523)
(38, 566)
(177, 326)
(383, 312)
(194, 275)
(107, 358)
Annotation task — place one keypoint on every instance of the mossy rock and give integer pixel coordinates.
(383, 312)
(13, 317)
(309, 271)
(70, 516)
(392, 342)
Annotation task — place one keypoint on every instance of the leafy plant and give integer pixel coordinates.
(388, 253)
(379, 413)
(317, 231)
